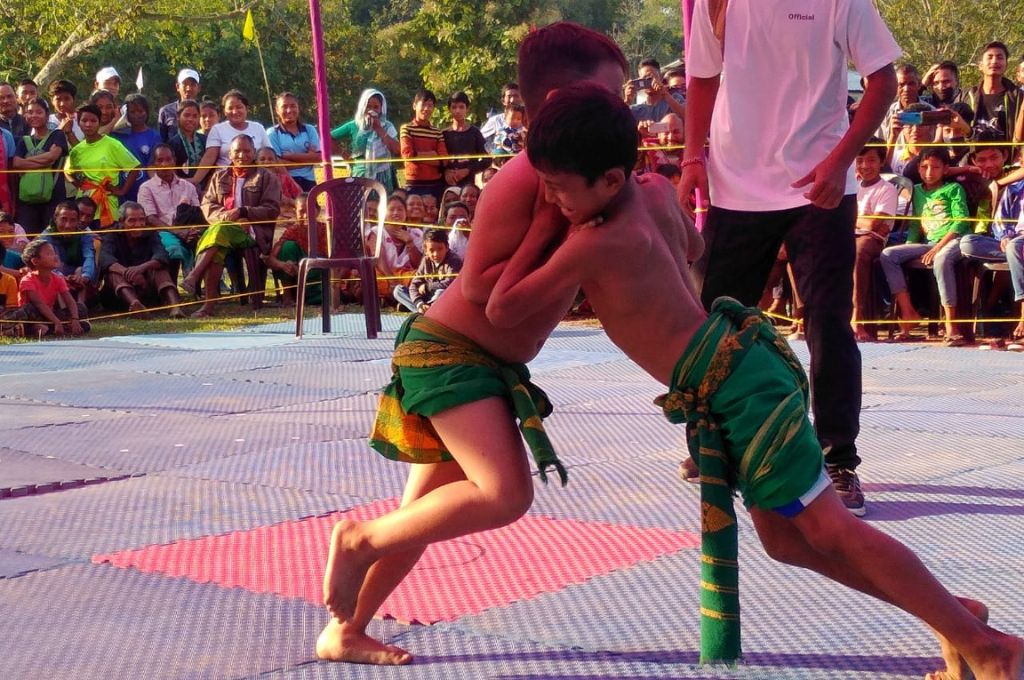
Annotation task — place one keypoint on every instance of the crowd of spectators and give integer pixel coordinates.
(939, 206)
(941, 190)
(135, 201)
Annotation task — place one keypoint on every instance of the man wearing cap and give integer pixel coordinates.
(107, 78)
(188, 88)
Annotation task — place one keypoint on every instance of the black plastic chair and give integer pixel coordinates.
(346, 219)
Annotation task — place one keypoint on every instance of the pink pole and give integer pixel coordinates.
(322, 102)
(687, 6)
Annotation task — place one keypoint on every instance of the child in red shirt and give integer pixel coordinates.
(44, 297)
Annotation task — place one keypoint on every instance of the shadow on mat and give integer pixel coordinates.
(890, 511)
(912, 665)
(972, 491)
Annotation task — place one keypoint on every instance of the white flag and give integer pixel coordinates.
(138, 80)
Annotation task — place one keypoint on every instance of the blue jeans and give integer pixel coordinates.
(986, 248)
(404, 298)
(894, 257)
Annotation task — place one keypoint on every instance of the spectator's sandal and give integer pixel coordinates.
(954, 341)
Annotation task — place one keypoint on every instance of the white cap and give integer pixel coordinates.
(186, 73)
(106, 73)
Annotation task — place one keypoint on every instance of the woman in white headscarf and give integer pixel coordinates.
(370, 136)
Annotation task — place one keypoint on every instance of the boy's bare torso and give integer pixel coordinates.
(640, 288)
(512, 202)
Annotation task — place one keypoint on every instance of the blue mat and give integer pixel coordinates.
(128, 390)
(35, 415)
(67, 355)
(148, 510)
(348, 467)
(34, 473)
(352, 415)
(14, 563)
(146, 443)
(147, 626)
(223, 340)
(333, 378)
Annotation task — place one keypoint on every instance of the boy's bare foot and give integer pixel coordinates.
(346, 569)
(1004, 660)
(956, 665)
(861, 334)
(337, 643)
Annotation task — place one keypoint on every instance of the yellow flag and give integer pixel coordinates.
(249, 29)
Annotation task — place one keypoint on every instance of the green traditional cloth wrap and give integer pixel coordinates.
(435, 369)
(224, 236)
(743, 396)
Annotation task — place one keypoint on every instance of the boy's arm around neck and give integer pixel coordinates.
(533, 280)
(506, 209)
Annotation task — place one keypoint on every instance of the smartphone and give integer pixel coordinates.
(658, 128)
(642, 83)
(939, 117)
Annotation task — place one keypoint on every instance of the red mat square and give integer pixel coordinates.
(465, 576)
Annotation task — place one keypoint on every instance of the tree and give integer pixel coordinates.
(930, 31)
(650, 28)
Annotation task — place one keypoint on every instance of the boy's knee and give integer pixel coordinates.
(515, 502)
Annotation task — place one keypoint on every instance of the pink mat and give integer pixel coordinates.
(465, 576)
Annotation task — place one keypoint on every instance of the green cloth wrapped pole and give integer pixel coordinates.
(715, 352)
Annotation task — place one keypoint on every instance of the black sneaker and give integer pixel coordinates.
(847, 484)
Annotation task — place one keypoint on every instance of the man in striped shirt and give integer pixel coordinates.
(422, 145)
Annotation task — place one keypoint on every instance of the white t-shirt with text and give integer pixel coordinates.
(222, 133)
(781, 105)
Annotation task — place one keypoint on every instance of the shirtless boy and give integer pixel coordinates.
(469, 476)
(731, 379)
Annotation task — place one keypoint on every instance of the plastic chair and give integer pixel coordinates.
(346, 219)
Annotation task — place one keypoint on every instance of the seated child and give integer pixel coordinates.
(290, 248)
(45, 303)
(14, 239)
(735, 383)
(935, 240)
(875, 197)
(511, 139)
(436, 272)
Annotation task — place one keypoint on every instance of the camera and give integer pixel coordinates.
(658, 128)
(940, 117)
(642, 83)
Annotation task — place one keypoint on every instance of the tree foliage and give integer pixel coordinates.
(930, 31)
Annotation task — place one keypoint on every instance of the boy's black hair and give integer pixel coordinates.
(6, 217)
(937, 152)
(424, 95)
(455, 204)
(138, 99)
(583, 129)
(209, 104)
(989, 139)
(516, 108)
(85, 199)
(875, 144)
(509, 86)
(669, 170)
(89, 108)
(157, 147)
(436, 236)
(650, 61)
(999, 45)
(31, 251)
(458, 97)
(189, 104)
(561, 54)
(28, 81)
(62, 87)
